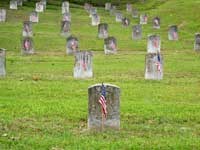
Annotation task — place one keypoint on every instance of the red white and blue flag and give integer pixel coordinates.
(158, 63)
(102, 100)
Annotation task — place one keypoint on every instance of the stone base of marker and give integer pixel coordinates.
(2, 62)
(95, 118)
(154, 66)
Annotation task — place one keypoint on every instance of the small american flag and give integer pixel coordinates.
(158, 63)
(102, 100)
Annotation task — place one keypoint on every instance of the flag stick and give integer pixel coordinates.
(102, 119)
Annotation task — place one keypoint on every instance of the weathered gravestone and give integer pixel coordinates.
(27, 46)
(125, 22)
(103, 107)
(34, 17)
(2, 62)
(39, 7)
(103, 30)
(2, 15)
(27, 29)
(173, 32)
(118, 17)
(72, 45)
(83, 65)
(13, 4)
(197, 42)
(154, 66)
(129, 7)
(19, 2)
(113, 10)
(87, 7)
(143, 19)
(137, 32)
(66, 17)
(65, 7)
(92, 11)
(156, 23)
(110, 45)
(95, 20)
(108, 6)
(153, 45)
(44, 2)
(135, 13)
(65, 28)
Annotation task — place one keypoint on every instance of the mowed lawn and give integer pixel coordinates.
(43, 107)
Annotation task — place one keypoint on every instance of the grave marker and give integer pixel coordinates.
(2, 62)
(19, 2)
(129, 7)
(83, 65)
(197, 42)
(95, 20)
(125, 22)
(87, 7)
(153, 45)
(27, 46)
(103, 30)
(27, 29)
(65, 28)
(13, 4)
(137, 32)
(154, 66)
(118, 17)
(98, 120)
(2, 15)
(72, 45)
(156, 23)
(173, 32)
(110, 45)
(135, 13)
(65, 7)
(34, 17)
(143, 19)
(113, 10)
(39, 7)
(108, 6)
(92, 11)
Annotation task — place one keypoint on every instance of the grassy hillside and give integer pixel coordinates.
(51, 112)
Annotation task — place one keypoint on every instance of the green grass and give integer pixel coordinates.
(51, 112)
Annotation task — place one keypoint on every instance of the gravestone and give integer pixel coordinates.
(173, 32)
(27, 46)
(66, 17)
(154, 66)
(137, 32)
(108, 6)
(27, 29)
(143, 19)
(72, 45)
(65, 28)
(13, 4)
(34, 17)
(87, 7)
(156, 23)
(65, 7)
(129, 8)
(197, 42)
(118, 17)
(103, 30)
(39, 7)
(95, 20)
(83, 65)
(19, 2)
(92, 11)
(112, 96)
(125, 22)
(154, 44)
(110, 45)
(44, 2)
(135, 13)
(2, 62)
(113, 10)
(2, 15)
